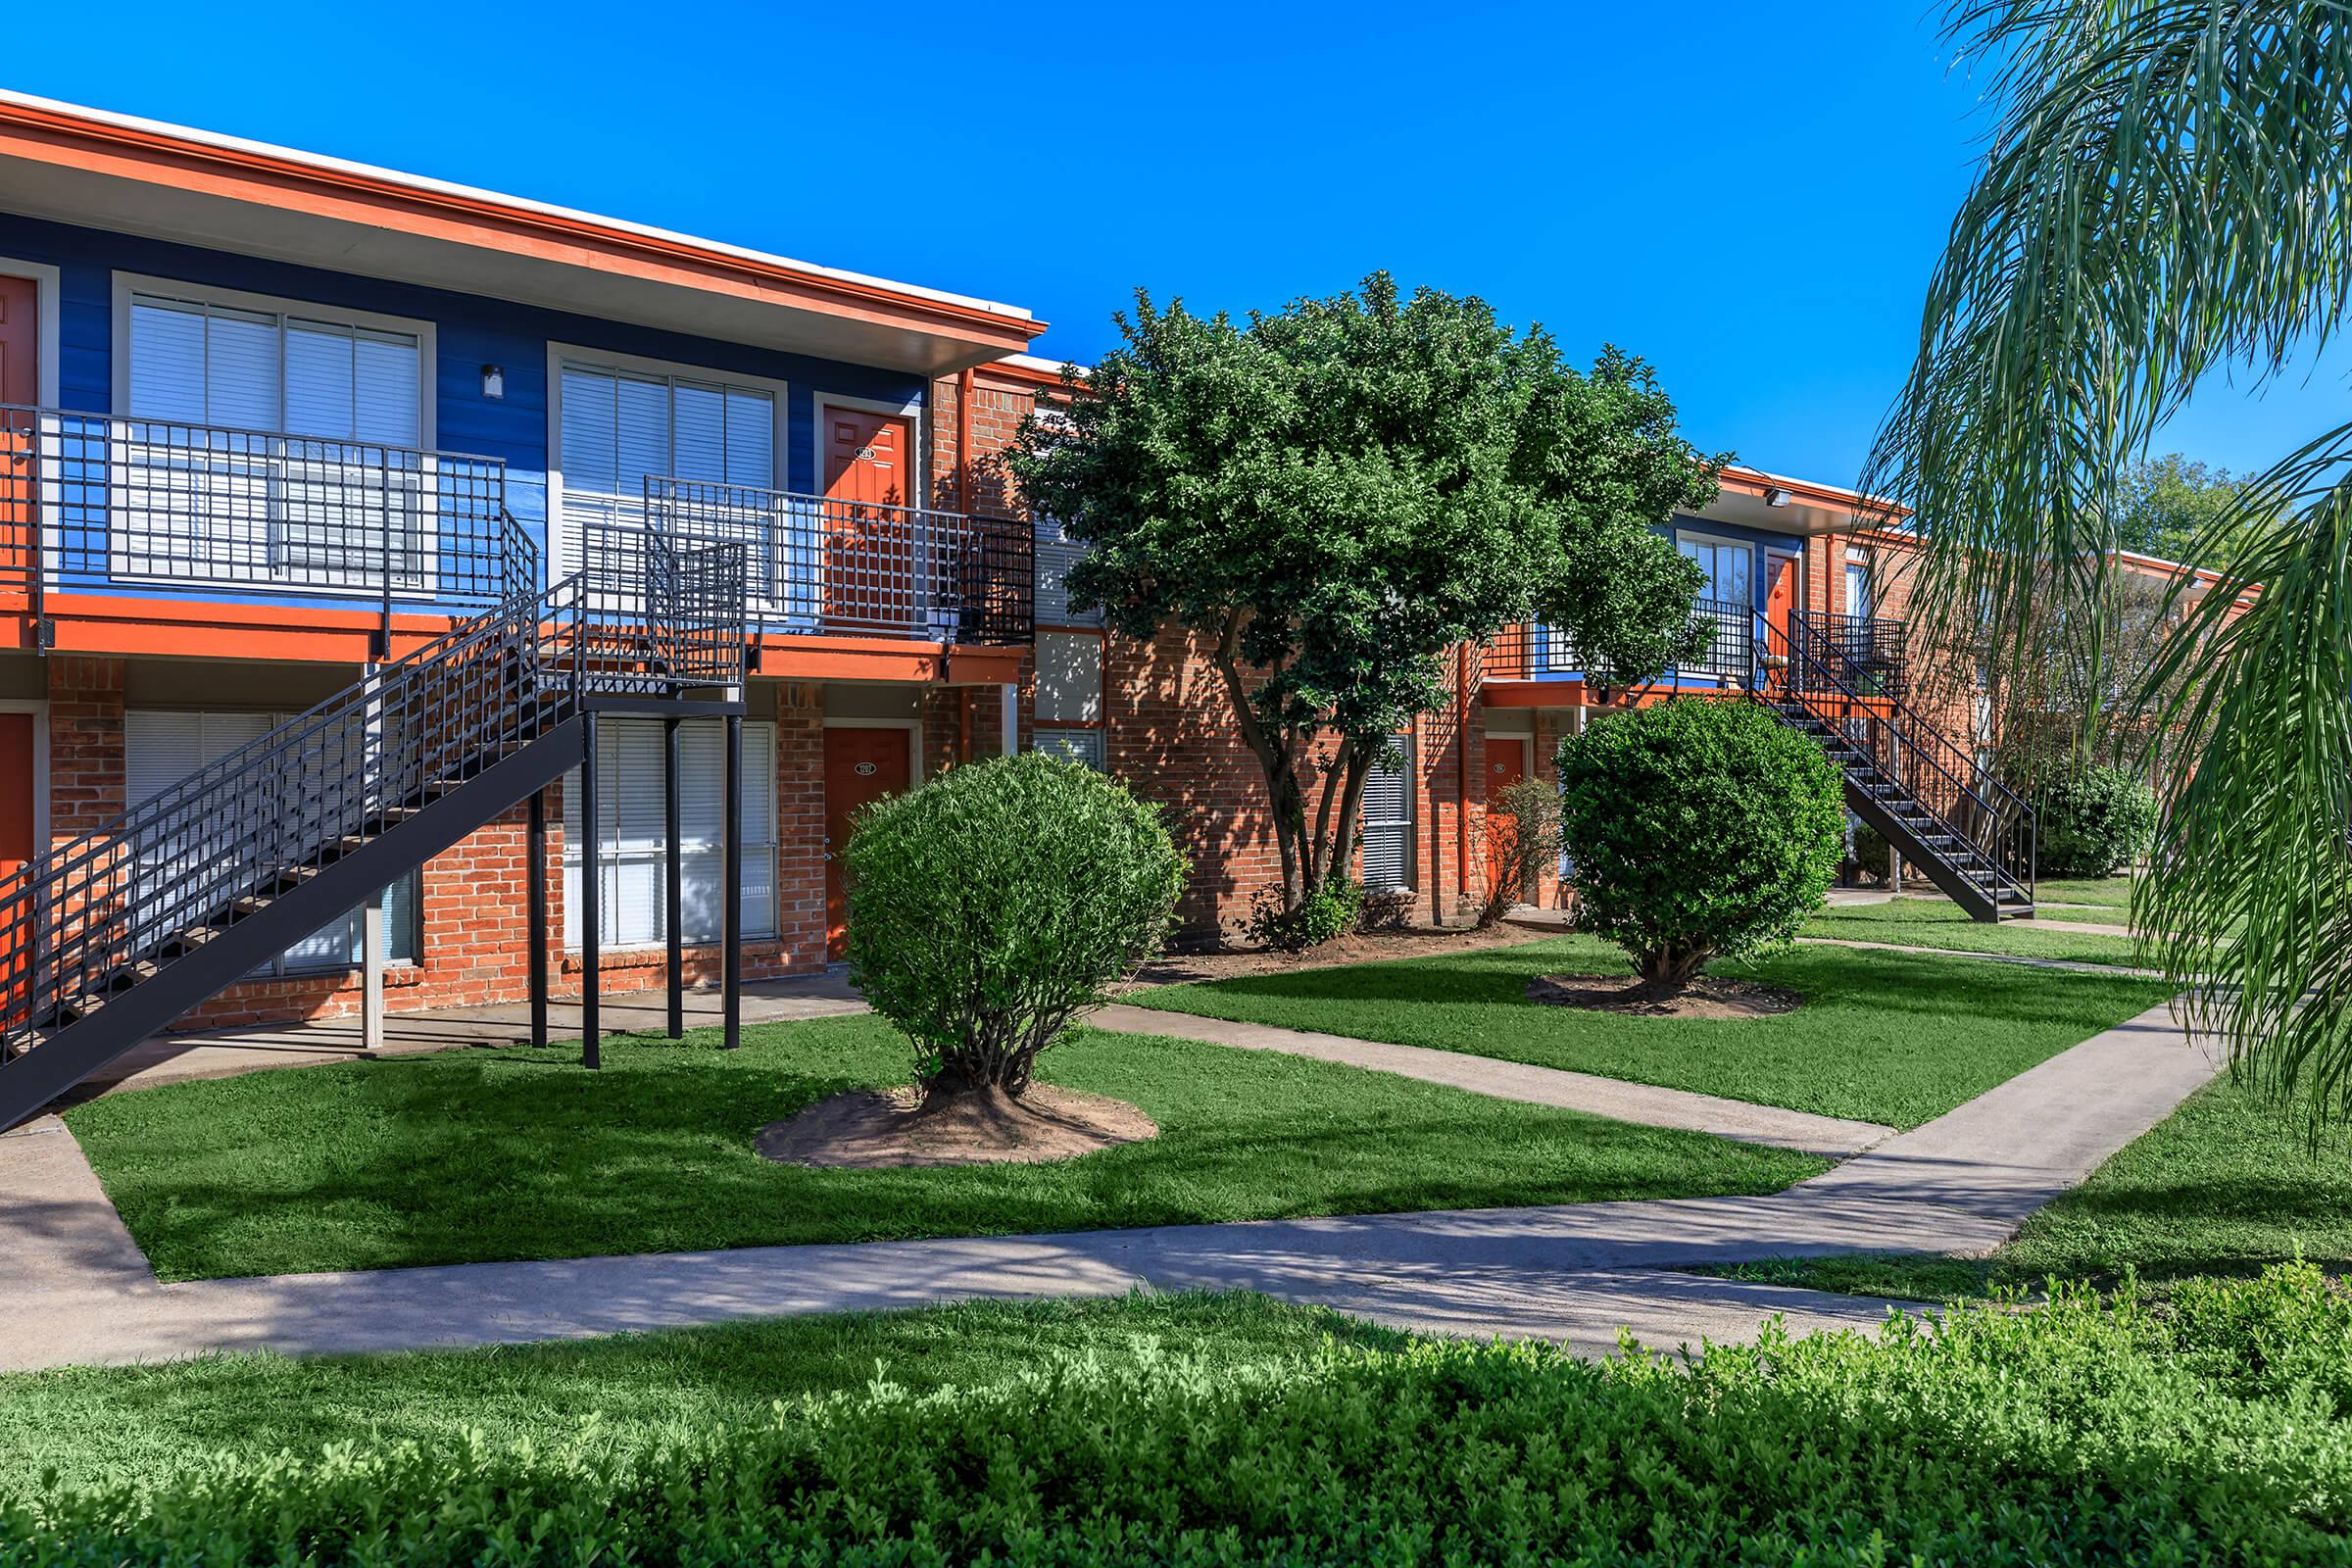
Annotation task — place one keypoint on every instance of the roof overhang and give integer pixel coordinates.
(80, 166)
(1754, 499)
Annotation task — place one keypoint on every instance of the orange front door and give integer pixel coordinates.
(20, 386)
(1506, 766)
(860, 765)
(1780, 599)
(871, 540)
(17, 849)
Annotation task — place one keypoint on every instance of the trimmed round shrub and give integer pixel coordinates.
(1697, 829)
(2096, 822)
(994, 904)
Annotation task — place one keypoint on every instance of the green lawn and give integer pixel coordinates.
(468, 1155)
(2115, 892)
(1918, 923)
(140, 1424)
(2224, 1185)
(1883, 1036)
(2114, 915)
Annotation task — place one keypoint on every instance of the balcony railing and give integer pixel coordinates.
(820, 565)
(99, 503)
(1871, 651)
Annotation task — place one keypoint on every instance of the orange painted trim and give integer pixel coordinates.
(93, 623)
(150, 157)
(784, 657)
(1024, 376)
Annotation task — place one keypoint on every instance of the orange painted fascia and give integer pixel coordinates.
(984, 667)
(243, 175)
(90, 623)
(1025, 375)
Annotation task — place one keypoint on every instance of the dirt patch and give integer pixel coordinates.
(873, 1129)
(1707, 997)
(1362, 946)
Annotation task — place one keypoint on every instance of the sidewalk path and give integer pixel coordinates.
(1615, 1097)
(1573, 1273)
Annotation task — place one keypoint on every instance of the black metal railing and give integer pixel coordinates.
(110, 907)
(1813, 671)
(1535, 652)
(92, 502)
(1874, 648)
(820, 564)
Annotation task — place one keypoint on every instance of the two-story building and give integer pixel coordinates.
(273, 425)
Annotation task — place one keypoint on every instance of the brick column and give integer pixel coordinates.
(800, 826)
(86, 762)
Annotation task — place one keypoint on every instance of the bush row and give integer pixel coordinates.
(2213, 1430)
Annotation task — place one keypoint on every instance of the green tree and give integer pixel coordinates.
(1333, 497)
(1696, 829)
(2164, 504)
(2166, 199)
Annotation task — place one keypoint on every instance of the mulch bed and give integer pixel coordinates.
(875, 1129)
(1362, 946)
(1630, 996)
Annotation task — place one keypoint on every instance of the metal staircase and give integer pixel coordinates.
(1920, 790)
(111, 936)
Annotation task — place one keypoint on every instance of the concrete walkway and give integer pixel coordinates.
(1645, 1104)
(1960, 1185)
(2071, 965)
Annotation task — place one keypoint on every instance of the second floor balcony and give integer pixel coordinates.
(1742, 645)
(152, 509)
(106, 505)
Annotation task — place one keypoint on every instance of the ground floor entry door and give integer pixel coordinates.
(1506, 766)
(860, 765)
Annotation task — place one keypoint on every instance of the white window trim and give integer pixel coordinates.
(425, 332)
(38, 708)
(582, 354)
(918, 437)
(46, 282)
(277, 968)
(572, 861)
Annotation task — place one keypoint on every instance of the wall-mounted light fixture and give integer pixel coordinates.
(494, 380)
(1774, 496)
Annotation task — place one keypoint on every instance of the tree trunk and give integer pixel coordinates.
(1668, 971)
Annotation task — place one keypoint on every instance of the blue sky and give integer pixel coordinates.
(1749, 196)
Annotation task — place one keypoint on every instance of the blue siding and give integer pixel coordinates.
(471, 331)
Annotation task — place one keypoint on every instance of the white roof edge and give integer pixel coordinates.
(442, 187)
(1035, 361)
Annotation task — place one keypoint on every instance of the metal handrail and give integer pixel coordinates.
(825, 565)
(2008, 840)
(121, 501)
(73, 923)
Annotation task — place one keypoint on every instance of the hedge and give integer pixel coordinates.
(2208, 1427)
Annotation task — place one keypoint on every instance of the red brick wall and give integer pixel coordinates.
(85, 744)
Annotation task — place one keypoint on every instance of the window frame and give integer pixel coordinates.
(426, 333)
(572, 861)
(558, 527)
(277, 968)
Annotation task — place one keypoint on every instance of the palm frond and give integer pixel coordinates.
(2166, 196)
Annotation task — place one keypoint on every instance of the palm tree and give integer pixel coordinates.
(2166, 197)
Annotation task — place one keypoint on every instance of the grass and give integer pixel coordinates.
(140, 1424)
(473, 1155)
(1918, 923)
(1883, 1036)
(2114, 892)
(2226, 1185)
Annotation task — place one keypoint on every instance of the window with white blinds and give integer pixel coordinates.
(1056, 556)
(1074, 745)
(1388, 819)
(617, 426)
(632, 842)
(1069, 677)
(309, 467)
(160, 747)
